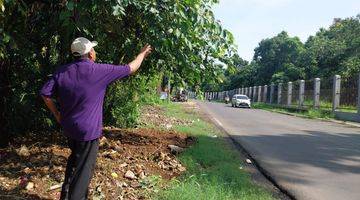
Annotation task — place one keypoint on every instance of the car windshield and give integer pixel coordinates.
(242, 97)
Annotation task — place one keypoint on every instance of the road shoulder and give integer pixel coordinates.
(258, 175)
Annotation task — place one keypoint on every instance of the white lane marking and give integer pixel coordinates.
(217, 121)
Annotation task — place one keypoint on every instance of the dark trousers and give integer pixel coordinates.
(79, 169)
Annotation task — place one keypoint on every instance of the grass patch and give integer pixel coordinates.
(308, 113)
(327, 105)
(213, 168)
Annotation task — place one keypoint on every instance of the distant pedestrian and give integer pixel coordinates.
(80, 87)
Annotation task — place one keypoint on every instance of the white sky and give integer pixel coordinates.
(250, 21)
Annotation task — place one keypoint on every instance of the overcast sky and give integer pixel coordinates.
(250, 21)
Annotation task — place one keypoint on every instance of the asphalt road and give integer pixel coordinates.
(311, 159)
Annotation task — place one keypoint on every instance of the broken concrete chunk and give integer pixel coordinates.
(142, 175)
(30, 186)
(130, 175)
(123, 165)
(181, 169)
(175, 149)
(54, 187)
(23, 151)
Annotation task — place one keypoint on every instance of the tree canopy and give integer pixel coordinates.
(35, 38)
(335, 50)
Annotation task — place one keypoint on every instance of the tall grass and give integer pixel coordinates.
(309, 113)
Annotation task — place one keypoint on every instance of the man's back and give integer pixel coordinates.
(80, 87)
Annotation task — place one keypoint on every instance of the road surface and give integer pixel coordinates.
(311, 159)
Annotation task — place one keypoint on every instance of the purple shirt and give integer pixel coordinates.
(81, 87)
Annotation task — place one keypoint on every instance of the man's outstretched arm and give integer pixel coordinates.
(135, 64)
(52, 107)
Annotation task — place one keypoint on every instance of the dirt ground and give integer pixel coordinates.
(129, 162)
(153, 115)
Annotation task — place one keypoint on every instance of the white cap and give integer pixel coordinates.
(81, 46)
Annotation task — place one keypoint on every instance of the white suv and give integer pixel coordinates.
(239, 100)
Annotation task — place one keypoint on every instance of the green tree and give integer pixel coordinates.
(282, 58)
(335, 50)
(35, 39)
(278, 54)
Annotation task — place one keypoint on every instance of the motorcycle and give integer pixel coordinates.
(227, 100)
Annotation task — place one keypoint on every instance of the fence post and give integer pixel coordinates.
(301, 93)
(358, 96)
(289, 93)
(317, 93)
(259, 99)
(254, 93)
(279, 93)
(336, 92)
(256, 90)
(250, 93)
(265, 94)
(272, 89)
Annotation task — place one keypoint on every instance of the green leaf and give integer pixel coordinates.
(70, 5)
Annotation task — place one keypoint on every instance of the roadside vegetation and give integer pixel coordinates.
(214, 170)
(308, 113)
(35, 39)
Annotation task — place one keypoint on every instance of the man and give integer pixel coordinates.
(80, 87)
